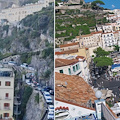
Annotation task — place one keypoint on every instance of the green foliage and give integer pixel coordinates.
(6, 28)
(41, 21)
(100, 52)
(48, 52)
(37, 98)
(26, 58)
(56, 3)
(116, 47)
(35, 34)
(47, 74)
(26, 95)
(103, 61)
(2, 56)
(95, 4)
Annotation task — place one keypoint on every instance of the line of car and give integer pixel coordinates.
(47, 93)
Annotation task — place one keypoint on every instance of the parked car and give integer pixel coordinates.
(48, 99)
(46, 93)
(51, 92)
(51, 108)
(50, 115)
(24, 65)
(11, 63)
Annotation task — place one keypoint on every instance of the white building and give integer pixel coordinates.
(73, 97)
(16, 13)
(6, 93)
(108, 39)
(75, 66)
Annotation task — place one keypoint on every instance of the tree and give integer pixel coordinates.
(96, 4)
(116, 48)
(100, 52)
(103, 61)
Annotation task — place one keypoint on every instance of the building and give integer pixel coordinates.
(17, 13)
(108, 39)
(73, 65)
(91, 40)
(69, 46)
(73, 92)
(6, 93)
(79, 52)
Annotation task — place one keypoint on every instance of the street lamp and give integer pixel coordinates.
(98, 94)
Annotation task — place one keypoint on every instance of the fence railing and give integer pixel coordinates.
(106, 113)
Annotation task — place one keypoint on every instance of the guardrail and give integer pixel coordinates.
(107, 113)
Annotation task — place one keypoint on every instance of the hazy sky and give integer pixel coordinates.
(110, 4)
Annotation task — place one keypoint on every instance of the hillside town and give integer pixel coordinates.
(26, 77)
(87, 78)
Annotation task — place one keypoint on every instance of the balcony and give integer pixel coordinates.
(6, 118)
(7, 98)
(17, 102)
(17, 112)
(6, 108)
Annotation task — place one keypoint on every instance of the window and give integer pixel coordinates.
(7, 83)
(69, 70)
(61, 71)
(6, 104)
(6, 114)
(74, 69)
(7, 95)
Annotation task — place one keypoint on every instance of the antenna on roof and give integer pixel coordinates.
(66, 83)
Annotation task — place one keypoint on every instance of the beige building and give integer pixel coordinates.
(70, 46)
(91, 40)
(16, 13)
(6, 93)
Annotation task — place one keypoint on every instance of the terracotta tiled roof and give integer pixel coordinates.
(70, 44)
(64, 62)
(107, 32)
(96, 32)
(59, 53)
(77, 91)
(66, 52)
(115, 32)
(77, 36)
(88, 35)
(81, 57)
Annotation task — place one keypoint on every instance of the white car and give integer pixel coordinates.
(51, 108)
(48, 99)
(11, 63)
(24, 65)
(50, 115)
(28, 83)
(46, 93)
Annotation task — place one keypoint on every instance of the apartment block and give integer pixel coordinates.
(17, 13)
(6, 93)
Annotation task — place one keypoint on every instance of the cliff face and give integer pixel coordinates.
(33, 41)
